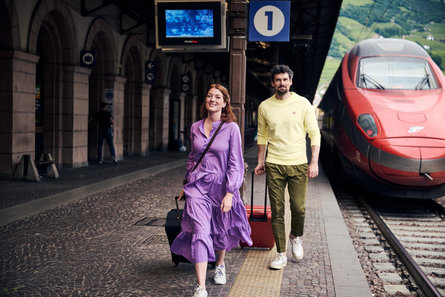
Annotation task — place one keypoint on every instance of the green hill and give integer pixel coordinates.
(422, 21)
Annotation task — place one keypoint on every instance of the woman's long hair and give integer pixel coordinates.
(227, 114)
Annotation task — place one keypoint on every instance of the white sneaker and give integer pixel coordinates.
(220, 275)
(297, 248)
(279, 262)
(200, 292)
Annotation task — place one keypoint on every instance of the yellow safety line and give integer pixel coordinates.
(255, 279)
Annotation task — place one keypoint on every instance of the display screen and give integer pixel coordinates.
(189, 23)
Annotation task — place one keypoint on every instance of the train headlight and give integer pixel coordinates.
(367, 123)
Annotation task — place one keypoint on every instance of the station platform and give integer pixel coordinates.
(99, 231)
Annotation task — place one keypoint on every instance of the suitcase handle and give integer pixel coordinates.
(177, 207)
(262, 218)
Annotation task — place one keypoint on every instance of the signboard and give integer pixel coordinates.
(109, 98)
(88, 59)
(185, 83)
(150, 72)
(269, 20)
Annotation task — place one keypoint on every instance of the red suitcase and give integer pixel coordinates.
(260, 222)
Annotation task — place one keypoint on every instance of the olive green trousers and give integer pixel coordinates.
(296, 179)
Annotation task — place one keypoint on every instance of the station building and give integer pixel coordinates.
(58, 61)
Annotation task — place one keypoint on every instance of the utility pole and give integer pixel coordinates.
(238, 12)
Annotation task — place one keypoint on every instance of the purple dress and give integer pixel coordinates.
(204, 227)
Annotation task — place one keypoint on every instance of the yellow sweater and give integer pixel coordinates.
(283, 124)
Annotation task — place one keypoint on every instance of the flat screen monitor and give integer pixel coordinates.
(193, 25)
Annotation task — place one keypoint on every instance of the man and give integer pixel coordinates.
(283, 121)
(105, 121)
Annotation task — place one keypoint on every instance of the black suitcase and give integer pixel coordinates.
(172, 228)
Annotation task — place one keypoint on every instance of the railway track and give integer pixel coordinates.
(400, 242)
(415, 230)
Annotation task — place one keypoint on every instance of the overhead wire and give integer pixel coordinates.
(366, 21)
(381, 17)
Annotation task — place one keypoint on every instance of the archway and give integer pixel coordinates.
(174, 116)
(98, 90)
(49, 86)
(133, 103)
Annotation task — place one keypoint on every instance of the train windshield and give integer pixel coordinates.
(395, 73)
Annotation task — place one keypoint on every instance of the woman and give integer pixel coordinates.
(214, 216)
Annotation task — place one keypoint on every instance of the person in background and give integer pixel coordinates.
(283, 122)
(214, 216)
(105, 121)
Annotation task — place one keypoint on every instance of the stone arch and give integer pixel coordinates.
(176, 105)
(189, 103)
(9, 40)
(135, 110)
(101, 81)
(158, 122)
(52, 37)
(101, 38)
(61, 15)
(201, 89)
(161, 62)
(9, 26)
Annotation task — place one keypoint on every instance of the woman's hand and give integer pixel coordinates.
(226, 204)
(181, 196)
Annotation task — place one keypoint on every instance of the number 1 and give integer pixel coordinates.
(269, 15)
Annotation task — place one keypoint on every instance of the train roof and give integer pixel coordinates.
(388, 46)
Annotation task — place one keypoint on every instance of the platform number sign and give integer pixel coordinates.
(269, 20)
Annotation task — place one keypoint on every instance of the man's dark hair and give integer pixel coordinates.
(277, 69)
(102, 105)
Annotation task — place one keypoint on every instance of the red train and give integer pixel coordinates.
(384, 112)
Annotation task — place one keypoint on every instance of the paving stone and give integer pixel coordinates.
(92, 247)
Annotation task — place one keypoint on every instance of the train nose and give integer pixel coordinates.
(409, 162)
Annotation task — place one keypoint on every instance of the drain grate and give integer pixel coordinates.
(156, 222)
(156, 239)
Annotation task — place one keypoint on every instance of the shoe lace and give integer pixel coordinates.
(280, 258)
(199, 288)
(219, 271)
(296, 240)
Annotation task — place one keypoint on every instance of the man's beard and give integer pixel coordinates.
(281, 92)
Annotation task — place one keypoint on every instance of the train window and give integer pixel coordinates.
(395, 73)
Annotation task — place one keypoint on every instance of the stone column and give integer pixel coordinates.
(17, 108)
(238, 45)
(162, 113)
(182, 116)
(190, 110)
(75, 116)
(145, 119)
(117, 83)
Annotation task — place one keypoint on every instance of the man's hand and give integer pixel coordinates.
(312, 171)
(259, 169)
